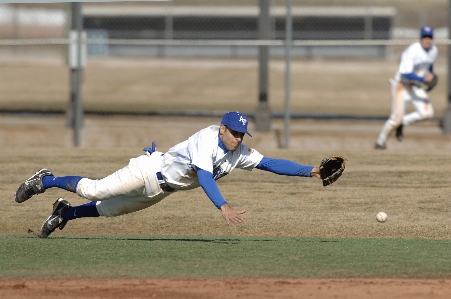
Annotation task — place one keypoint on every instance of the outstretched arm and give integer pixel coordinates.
(287, 167)
(210, 187)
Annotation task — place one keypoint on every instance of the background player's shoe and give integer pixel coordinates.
(56, 219)
(32, 186)
(399, 133)
(380, 147)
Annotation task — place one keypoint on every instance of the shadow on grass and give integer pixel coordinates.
(32, 234)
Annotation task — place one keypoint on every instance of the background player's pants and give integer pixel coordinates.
(401, 95)
(130, 189)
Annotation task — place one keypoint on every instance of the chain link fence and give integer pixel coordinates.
(202, 56)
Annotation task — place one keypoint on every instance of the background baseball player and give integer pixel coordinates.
(416, 67)
(205, 157)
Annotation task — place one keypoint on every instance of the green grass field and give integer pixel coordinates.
(103, 256)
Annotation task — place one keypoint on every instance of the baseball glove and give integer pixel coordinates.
(331, 169)
(431, 84)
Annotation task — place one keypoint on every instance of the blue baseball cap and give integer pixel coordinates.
(236, 121)
(427, 31)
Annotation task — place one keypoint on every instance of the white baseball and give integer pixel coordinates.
(381, 217)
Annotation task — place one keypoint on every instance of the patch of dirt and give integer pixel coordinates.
(226, 288)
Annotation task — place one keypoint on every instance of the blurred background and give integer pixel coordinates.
(202, 58)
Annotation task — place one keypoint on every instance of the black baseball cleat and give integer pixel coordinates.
(56, 219)
(380, 147)
(399, 133)
(32, 186)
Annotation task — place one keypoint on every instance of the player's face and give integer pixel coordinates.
(230, 138)
(426, 42)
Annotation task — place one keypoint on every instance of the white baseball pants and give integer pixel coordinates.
(401, 95)
(130, 189)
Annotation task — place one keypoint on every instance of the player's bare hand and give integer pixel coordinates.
(428, 77)
(231, 215)
(315, 172)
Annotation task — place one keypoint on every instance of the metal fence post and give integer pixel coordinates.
(75, 110)
(288, 39)
(263, 113)
(447, 114)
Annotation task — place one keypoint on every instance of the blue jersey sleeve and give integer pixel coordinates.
(413, 76)
(210, 187)
(284, 167)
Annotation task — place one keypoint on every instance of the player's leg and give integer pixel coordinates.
(128, 180)
(42, 180)
(64, 212)
(423, 107)
(127, 204)
(409, 93)
(138, 178)
(114, 184)
(125, 180)
(398, 91)
(130, 189)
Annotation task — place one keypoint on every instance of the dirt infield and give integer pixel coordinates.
(227, 288)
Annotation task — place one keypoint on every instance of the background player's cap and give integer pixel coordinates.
(236, 121)
(427, 31)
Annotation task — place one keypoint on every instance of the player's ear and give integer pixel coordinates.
(222, 129)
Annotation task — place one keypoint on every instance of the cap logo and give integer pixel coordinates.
(243, 120)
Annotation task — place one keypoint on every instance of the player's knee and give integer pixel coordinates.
(91, 189)
(428, 114)
(396, 121)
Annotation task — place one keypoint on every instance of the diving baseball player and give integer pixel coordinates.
(416, 67)
(205, 157)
